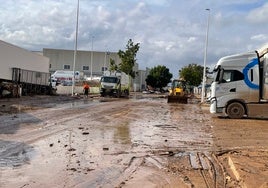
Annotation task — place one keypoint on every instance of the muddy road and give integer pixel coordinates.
(138, 142)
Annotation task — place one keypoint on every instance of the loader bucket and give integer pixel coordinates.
(177, 99)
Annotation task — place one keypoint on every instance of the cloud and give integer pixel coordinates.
(170, 32)
(259, 15)
(260, 37)
(192, 39)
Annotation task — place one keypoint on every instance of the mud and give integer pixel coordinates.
(143, 141)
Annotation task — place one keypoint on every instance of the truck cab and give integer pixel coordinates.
(240, 86)
(114, 84)
(109, 85)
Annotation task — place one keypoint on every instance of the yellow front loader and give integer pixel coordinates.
(177, 92)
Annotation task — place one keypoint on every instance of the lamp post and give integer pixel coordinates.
(91, 58)
(205, 60)
(75, 48)
(105, 59)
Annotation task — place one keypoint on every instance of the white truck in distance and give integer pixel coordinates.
(240, 86)
(65, 77)
(114, 84)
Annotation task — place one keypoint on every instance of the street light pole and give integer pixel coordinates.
(105, 59)
(91, 58)
(75, 48)
(205, 60)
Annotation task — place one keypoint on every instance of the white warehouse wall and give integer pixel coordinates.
(60, 57)
(16, 57)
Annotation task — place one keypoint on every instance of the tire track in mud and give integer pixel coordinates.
(58, 123)
(112, 144)
(186, 145)
(197, 164)
(207, 170)
(50, 122)
(53, 120)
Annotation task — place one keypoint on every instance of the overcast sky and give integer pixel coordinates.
(170, 32)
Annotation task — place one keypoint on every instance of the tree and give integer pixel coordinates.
(192, 74)
(113, 65)
(128, 58)
(159, 77)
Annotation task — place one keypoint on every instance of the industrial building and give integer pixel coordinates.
(87, 62)
(90, 64)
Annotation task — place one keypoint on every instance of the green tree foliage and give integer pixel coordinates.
(128, 58)
(159, 77)
(113, 65)
(192, 74)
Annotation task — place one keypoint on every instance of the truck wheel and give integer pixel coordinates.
(235, 110)
(118, 94)
(127, 92)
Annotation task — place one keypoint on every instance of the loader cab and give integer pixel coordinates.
(178, 87)
(178, 84)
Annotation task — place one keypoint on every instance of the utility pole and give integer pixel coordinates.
(91, 58)
(205, 60)
(75, 48)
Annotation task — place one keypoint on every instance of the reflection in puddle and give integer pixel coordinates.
(122, 134)
(75, 104)
(10, 124)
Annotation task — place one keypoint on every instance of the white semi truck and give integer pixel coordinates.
(114, 84)
(240, 86)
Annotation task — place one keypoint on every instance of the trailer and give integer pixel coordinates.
(31, 82)
(23, 72)
(240, 86)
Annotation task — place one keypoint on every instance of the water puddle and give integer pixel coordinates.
(79, 104)
(122, 134)
(14, 154)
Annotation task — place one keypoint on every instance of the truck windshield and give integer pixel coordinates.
(177, 84)
(109, 79)
(223, 76)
